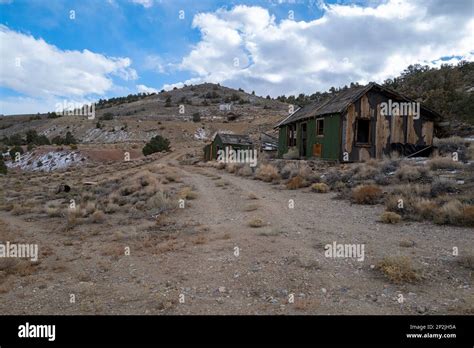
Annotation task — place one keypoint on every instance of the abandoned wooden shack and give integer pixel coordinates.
(356, 124)
(222, 140)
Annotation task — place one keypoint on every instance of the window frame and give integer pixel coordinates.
(291, 135)
(321, 119)
(369, 138)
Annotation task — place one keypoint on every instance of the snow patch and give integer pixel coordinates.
(47, 162)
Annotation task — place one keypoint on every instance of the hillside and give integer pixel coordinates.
(448, 90)
(138, 118)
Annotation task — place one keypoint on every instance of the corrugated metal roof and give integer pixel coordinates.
(331, 105)
(235, 139)
(339, 102)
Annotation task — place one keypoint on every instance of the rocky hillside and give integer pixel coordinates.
(137, 118)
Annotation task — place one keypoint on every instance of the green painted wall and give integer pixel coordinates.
(218, 143)
(282, 141)
(331, 141)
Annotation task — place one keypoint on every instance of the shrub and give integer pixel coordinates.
(245, 170)
(389, 217)
(450, 213)
(156, 144)
(295, 183)
(320, 187)
(398, 269)
(97, 217)
(467, 218)
(444, 163)
(366, 194)
(267, 173)
(196, 117)
(408, 173)
(256, 223)
(14, 150)
(251, 207)
(442, 186)
(106, 117)
(289, 170)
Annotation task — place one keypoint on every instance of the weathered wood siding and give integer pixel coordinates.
(384, 129)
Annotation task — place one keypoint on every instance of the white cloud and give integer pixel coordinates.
(146, 89)
(37, 69)
(349, 43)
(144, 3)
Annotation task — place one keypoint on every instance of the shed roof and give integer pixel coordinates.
(235, 139)
(341, 101)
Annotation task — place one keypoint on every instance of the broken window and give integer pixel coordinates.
(291, 135)
(363, 131)
(320, 126)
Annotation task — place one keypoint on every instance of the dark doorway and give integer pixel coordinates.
(363, 132)
(304, 140)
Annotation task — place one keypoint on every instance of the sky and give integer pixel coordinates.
(78, 51)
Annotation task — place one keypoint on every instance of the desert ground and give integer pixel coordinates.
(236, 247)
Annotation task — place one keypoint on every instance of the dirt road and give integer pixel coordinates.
(213, 262)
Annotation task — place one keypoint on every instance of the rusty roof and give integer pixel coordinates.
(341, 101)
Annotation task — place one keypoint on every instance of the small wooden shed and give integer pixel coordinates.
(222, 140)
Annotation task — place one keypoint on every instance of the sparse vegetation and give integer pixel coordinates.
(367, 194)
(389, 217)
(156, 144)
(398, 269)
(320, 187)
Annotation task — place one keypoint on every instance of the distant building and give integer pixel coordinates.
(268, 142)
(223, 140)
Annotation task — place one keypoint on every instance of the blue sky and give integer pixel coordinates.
(118, 47)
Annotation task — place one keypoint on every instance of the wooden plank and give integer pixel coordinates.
(350, 120)
(412, 137)
(364, 107)
(382, 133)
(427, 132)
(397, 134)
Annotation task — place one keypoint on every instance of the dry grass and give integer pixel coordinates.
(406, 243)
(256, 223)
(295, 183)
(15, 266)
(444, 163)
(221, 183)
(53, 211)
(188, 193)
(251, 207)
(366, 194)
(398, 269)
(389, 217)
(252, 196)
(411, 173)
(161, 202)
(455, 213)
(467, 261)
(245, 170)
(97, 217)
(267, 173)
(320, 187)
